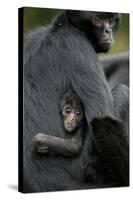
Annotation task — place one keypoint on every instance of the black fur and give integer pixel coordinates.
(116, 68)
(58, 58)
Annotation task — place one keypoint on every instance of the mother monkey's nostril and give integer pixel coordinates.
(107, 30)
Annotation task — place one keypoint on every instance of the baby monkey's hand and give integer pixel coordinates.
(39, 143)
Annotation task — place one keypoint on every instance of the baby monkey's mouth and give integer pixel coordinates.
(69, 126)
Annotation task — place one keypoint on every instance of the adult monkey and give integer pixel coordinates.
(57, 58)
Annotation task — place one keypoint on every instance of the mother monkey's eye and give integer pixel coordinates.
(97, 21)
(112, 21)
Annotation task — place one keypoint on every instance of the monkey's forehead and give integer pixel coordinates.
(91, 14)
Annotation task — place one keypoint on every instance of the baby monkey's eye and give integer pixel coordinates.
(68, 111)
(78, 113)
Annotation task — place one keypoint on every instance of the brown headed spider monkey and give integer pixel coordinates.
(73, 122)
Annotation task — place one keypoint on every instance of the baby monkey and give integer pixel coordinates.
(73, 121)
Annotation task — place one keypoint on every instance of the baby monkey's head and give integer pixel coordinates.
(72, 111)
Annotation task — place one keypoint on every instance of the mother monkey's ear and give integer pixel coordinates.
(75, 18)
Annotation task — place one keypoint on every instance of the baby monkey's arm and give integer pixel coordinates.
(70, 147)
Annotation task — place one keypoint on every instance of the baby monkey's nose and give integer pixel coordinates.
(72, 117)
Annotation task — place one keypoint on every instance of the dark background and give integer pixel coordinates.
(35, 17)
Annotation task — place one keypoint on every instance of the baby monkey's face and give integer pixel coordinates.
(73, 116)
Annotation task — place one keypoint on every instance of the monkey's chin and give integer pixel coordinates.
(69, 128)
(105, 46)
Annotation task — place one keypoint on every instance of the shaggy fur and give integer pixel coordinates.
(57, 58)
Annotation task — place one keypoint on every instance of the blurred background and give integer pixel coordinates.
(35, 17)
